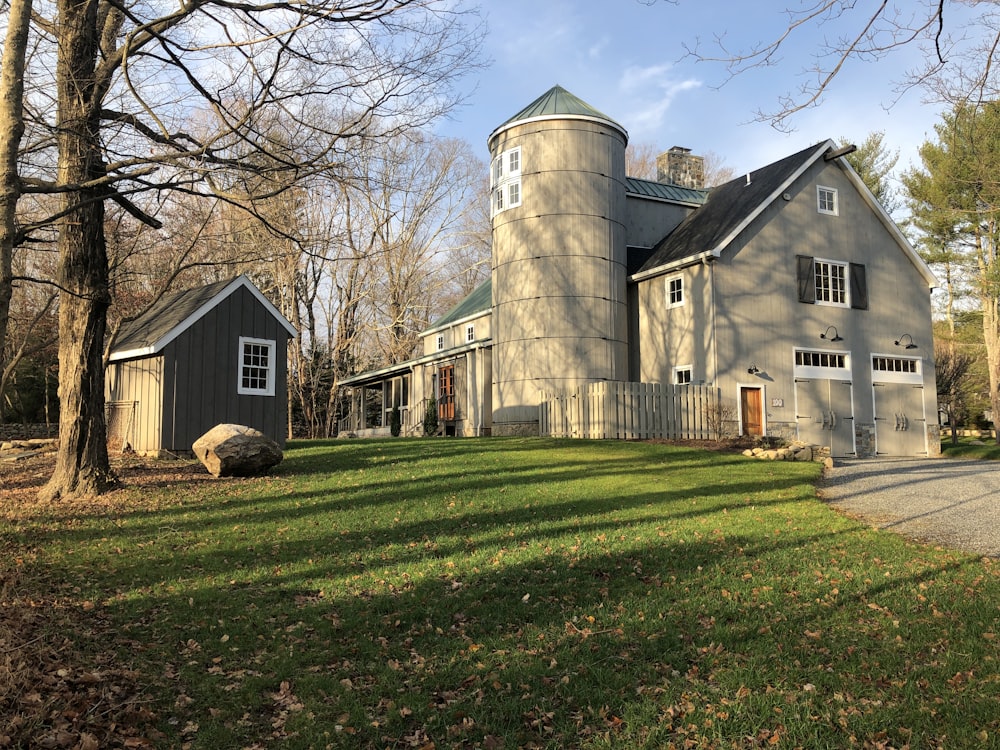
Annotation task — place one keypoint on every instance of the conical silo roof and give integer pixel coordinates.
(558, 103)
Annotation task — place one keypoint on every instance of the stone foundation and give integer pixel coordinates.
(783, 431)
(933, 440)
(515, 429)
(864, 440)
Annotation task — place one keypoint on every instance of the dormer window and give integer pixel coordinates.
(505, 180)
(440, 341)
(470, 332)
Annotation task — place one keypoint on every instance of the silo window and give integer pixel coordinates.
(505, 180)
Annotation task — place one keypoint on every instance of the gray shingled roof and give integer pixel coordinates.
(164, 316)
(726, 208)
(174, 313)
(558, 102)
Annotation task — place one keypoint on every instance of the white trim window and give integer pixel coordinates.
(822, 364)
(675, 291)
(470, 332)
(888, 368)
(831, 283)
(440, 341)
(826, 200)
(505, 180)
(682, 375)
(257, 367)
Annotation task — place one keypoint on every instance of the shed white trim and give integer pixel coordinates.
(240, 282)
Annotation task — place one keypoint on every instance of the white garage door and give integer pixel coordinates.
(900, 419)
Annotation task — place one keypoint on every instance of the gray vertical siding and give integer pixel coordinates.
(206, 359)
(192, 386)
(752, 296)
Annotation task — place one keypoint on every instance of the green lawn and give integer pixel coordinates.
(524, 593)
(980, 448)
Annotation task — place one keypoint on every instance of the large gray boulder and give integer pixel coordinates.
(232, 450)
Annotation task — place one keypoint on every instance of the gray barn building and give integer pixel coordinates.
(789, 290)
(205, 356)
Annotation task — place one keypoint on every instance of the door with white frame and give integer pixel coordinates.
(824, 400)
(898, 398)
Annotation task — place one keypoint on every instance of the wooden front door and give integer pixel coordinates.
(751, 411)
(446, 393)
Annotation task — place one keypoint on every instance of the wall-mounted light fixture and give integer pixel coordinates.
(826, 334)
(752, 370)
(908, 339)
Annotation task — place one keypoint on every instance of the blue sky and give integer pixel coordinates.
(627, 58)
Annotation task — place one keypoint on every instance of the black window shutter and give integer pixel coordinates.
(806, 278)
(859, 287)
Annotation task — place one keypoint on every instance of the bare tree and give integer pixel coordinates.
(951, 367)
(717, 172)
(959, 56)
(640, 160)
(138, 110)
(12, 68)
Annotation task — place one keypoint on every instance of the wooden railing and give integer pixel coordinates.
(632, 411)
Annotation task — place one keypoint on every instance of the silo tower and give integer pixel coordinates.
(559, 260)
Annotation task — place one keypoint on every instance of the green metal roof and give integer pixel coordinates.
(558, 102)
(675, 193)
(479, 300)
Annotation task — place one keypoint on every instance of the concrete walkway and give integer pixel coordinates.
(951, 502)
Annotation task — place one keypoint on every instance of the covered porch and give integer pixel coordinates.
(374, 395)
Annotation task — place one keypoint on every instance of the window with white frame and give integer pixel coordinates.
(675, 291)
(440, 341)
(682, 375)
(831, 283)
(890, 369)
(826, 200)
(470, 332)
(816, 363)
(505, 180)
(257, 367)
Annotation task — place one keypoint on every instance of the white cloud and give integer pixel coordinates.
(596, 50)
(634, 76)
(648, 95)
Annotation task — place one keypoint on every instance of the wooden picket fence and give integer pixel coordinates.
(632, 411)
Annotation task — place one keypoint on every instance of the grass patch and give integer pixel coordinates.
(523, 593)
(978, 448)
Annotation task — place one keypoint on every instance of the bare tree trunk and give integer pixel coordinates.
(11, 131)
(82, 466)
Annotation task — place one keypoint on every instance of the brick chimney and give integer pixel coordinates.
(679, 166)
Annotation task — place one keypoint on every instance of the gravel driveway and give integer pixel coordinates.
(951, 502)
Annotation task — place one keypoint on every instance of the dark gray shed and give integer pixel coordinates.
(196, 359)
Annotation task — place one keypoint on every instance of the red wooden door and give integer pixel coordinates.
(446, 393)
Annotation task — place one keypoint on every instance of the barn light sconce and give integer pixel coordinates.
(826, 334)
(908, 339)
(752, 370)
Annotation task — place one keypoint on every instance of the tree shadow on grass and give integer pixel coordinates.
(546, 644)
